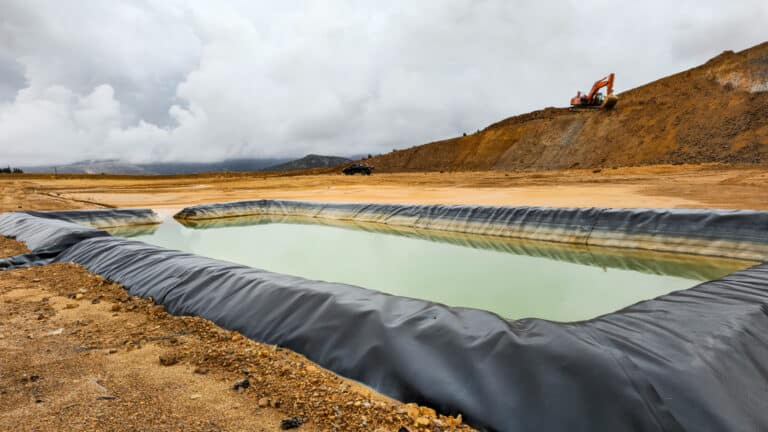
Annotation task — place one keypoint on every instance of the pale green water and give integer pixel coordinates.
(511, 285)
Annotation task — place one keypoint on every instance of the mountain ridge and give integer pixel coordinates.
(309, 161)
(118, 166)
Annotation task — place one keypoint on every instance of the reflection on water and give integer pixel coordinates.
(513, 278)
(132, 230)
(702, 268)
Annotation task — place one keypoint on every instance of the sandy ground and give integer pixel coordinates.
(77, 353)
(711, 186)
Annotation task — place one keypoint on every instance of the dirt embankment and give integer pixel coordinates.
(717, 112)
(77, 353)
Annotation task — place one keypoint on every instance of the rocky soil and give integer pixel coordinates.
(10, 247)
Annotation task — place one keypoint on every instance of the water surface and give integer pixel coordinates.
(514, 279)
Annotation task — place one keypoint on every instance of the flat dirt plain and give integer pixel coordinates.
(693, 186)
(77, 353)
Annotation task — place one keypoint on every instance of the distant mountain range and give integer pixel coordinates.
(308, 162)
(117, 166)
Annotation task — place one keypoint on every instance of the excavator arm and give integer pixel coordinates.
(603, 82)
(593, 98)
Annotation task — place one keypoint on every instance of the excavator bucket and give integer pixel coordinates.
(609, 102)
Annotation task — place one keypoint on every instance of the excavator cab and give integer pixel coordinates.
(595, 98)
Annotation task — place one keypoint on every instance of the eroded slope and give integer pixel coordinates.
(717, 112)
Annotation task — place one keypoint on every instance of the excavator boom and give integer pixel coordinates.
(594, 98)
(603, 82)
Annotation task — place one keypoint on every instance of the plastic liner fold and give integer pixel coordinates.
(47, 233)
(692, 360)
(740, 234)
(108, 218)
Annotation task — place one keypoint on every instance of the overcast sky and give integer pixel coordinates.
(188, 80)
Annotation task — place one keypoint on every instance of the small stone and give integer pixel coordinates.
(106, 397)
(242, 384)
(78, 296)
(412, 410)
(112, 351)
(201, 370)
(71, 306)
(264, 402)
(169, 359)
(115, 308)
(422, 421)
(195, 396)
(292, 423)
(30, 378)
(427, 412)
(453, 421)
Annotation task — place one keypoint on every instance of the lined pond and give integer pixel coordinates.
(512, 278)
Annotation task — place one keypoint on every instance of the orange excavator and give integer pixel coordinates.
(595, 98)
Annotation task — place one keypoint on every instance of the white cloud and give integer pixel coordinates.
(177, 80)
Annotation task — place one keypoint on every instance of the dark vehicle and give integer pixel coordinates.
(358, 168)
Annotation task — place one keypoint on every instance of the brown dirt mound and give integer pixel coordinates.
(717, 112)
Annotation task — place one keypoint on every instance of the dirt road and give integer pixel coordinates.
(695, 186)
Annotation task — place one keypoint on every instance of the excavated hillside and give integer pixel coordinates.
(716, 112)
